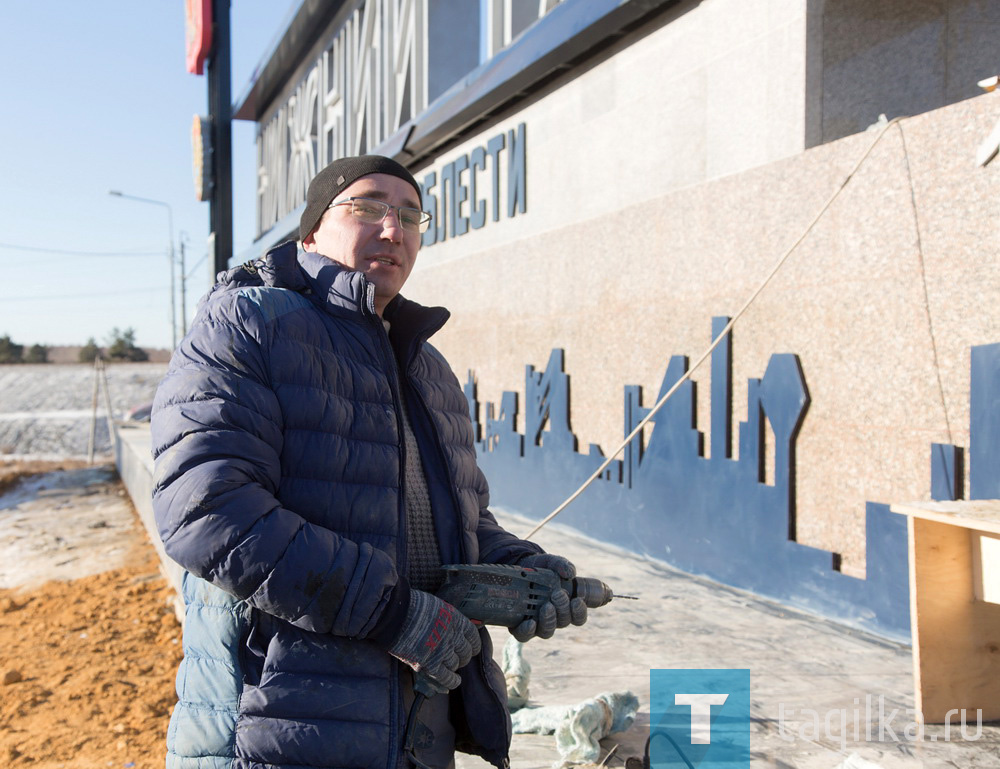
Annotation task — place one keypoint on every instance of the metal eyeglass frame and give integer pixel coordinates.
(422, 224)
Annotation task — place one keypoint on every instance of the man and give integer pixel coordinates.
(314, 469)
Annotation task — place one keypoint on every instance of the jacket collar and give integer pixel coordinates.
(330, 285)
(339, 290)
(411, 325)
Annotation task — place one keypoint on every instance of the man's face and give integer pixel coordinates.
(384, 252)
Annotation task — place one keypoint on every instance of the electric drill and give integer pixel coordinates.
(494, 594)
(497, 594)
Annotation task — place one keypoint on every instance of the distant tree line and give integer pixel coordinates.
(120, 347)
(11, 352)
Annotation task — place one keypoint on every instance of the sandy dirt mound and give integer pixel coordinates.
(87, 664)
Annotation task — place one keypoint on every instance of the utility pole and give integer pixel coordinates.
(220, 108)
(170, 256)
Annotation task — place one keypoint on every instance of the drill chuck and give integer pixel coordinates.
(593, 592)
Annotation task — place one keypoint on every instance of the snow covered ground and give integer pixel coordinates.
(46, 410)
(65, 525)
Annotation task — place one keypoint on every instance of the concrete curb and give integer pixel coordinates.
(134, 461)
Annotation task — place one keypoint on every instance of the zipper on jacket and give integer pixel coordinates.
(399, 373)
(395, 388)
(504, 759)
(392, 374)
(439, 446)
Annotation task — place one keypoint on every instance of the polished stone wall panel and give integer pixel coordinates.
(881, 303)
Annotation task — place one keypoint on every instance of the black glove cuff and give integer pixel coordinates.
(390, 624)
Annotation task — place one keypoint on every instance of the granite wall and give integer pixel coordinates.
(881, 303)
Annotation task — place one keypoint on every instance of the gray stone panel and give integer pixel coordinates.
(973, 51)
(452, 43)
(902, 57)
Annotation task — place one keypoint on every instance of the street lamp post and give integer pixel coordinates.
(170, 256)
(181, 263)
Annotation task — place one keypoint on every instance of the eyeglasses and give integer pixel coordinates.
(372, 211)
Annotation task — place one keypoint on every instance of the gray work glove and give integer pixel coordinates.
(559, 611)
(436, 640)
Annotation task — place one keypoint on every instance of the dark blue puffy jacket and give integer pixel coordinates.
(278, 488)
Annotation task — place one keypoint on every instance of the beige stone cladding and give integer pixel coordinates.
(881, 303)
(709, 89)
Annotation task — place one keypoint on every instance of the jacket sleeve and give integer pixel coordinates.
(217, 440)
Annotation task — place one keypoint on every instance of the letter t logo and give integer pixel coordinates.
(704, 712)
(701, 714)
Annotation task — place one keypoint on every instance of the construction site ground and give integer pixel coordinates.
(89, 645)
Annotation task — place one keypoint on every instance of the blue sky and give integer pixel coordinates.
(96, 97)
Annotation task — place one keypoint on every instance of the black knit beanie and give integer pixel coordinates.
(339, 175)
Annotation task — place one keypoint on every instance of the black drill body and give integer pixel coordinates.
(494, 594)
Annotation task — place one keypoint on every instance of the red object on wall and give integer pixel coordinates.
(198, 28)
